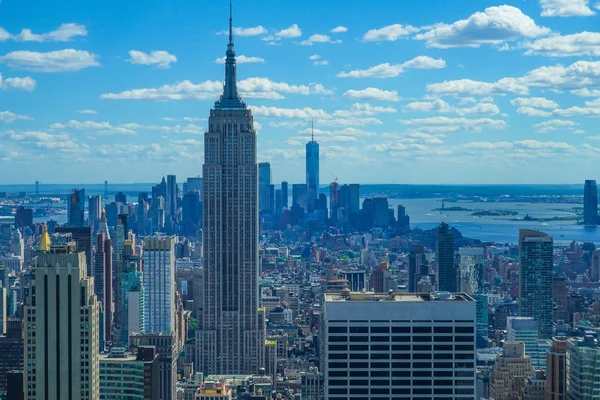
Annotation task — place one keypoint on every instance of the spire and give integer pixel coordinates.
(230, 99)
(312, 129)
(45, 239)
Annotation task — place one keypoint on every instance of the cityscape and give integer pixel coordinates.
(230, 283)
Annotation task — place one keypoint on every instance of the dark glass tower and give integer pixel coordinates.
(590, 203)
(444, 254)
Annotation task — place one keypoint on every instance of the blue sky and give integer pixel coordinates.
(432, 91)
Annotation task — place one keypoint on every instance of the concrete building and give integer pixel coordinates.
(511, 366)
(159, 284)
(556, 370)
(583, 368)
(534, 386)
(527, 330)
(444, 255)
(61, 326)
(536, 263)
(399, 345)
(11, 351)
(231, 332)
(126, 376)
(94, 211)
(312, 384)
(166, 346)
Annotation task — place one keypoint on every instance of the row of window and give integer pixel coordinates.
(401, 329)
(400, 391)
(375, 373)
(422, 339)
(406, 356)
(395, 365)
(401, 347)
(400, 382)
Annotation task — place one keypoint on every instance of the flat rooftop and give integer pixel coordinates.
(400, 297)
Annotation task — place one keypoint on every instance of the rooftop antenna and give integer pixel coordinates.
(312, 129)
(230, 22)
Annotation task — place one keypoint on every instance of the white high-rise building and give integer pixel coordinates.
(158, 280)
(399, 345)
(61, 326)
(231, 330)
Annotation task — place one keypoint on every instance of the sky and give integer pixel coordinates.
(431, 91)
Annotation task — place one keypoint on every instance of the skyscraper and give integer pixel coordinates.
(172, 194)
(231, 332)
(590, 203)
(61, 355)
(444, 254)
(583, 368)
(94, 211)
(535, 278)
(284, 194)
(556, 369)
(76, 208)
(312, 171)
(103, 283)
(159, 284)
(264, 187)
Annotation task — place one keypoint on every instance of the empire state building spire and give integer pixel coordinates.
(230, 99)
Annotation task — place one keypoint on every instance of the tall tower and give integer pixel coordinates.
(231, 332)
(264, 188)
(444, 254)
(62, 326)
(312, 171)
(76, 208)
(535, 278)
(590, 203)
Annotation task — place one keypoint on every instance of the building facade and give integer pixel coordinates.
(401, 346)
(590, 203)
(556, 370)
(126, 376)
(583, 369)
(231, 331)
(312, 172)
(444, 255)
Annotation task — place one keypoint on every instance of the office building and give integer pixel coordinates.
(76, 208)
(125, 376)
(159, 284)
(172, 195)
(527, 330)
(355, 278)
(300, 196)
(534, 387)
(312, 384)
(94, 211)
(535, 278)
(61, 332)
(103, 282)
(583, 368)
(417, 266)
(482, 320)
(193, 184)
(3, 308)
(560, 298)
(23, 217)
(444, 255)
(121, 198)
(231, 332)
(129, 299)
(312, 171)
(167, 349)
(264, 188)
(284, 194)
(590, 203)
(12, 351)
(399, 345)
(595, 266)
(556, 370)
(471, 269)
(82, 236)
(511, 365)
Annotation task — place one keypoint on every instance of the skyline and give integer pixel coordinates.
(60, 106)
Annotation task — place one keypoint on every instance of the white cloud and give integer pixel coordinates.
(372, 93)
(339, 29)
(304, 113)
(585, 92)
(495, 25)
(533, 112)
(242, 60)
(7, 116)
(293, 31)
(470, 87)
(439, 105)
(160, 58)
(63, 33)
(262, 88)
(87, 111)
(555, 124)
(363, 109)
(539, 102)
(53, 61)
(318, 38)
(389, 33)
(26, 83)
(459, 123)
(565, 8)
(252, 31)
(489, 145)
(578, 44)
(535, 145)
(388, 70)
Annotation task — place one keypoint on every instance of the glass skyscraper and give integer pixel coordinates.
(312, 171)
(590, 203)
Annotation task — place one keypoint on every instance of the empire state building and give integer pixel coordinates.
(231, 332)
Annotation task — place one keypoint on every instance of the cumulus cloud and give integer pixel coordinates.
(533, 112)
(7, 116)
(439, 105)
(585, 92)
(477, 88)
(262, 88)
(390, 33)
(63, 33)
(363, 109)
(317, 60)
(555, 124)
(578, 44)
(318, 38)
(26, 83)
(53, 61)
(160, 58)
(242, 60)
(251, 31)
(539, 102)
(372, 93)
(565, 8)
(339, 29)
(388, 70)
(495, 25)
(87, 111)
(460, 123)
(303, 113)
(293, 31)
